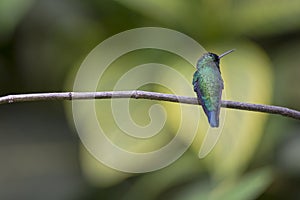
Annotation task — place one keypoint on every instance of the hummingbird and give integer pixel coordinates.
(208, 84)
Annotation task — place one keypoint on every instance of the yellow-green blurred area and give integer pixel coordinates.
(43, 43)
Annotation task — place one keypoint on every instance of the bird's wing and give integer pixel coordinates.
(199, 93)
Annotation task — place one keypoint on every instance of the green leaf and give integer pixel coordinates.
(248, 187)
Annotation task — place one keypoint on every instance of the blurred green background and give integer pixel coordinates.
(42, 44)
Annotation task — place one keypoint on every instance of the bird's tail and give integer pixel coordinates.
(213, 118)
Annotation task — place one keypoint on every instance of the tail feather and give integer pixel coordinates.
(213, 118)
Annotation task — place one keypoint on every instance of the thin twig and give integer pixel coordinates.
(145, 95)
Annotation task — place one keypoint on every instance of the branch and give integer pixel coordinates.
(145, 95)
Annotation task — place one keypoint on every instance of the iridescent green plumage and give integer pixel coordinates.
(208, 84)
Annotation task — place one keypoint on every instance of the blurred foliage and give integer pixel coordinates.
(12, 11)
(42, 44)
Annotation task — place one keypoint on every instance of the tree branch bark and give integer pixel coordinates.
(137, 94)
